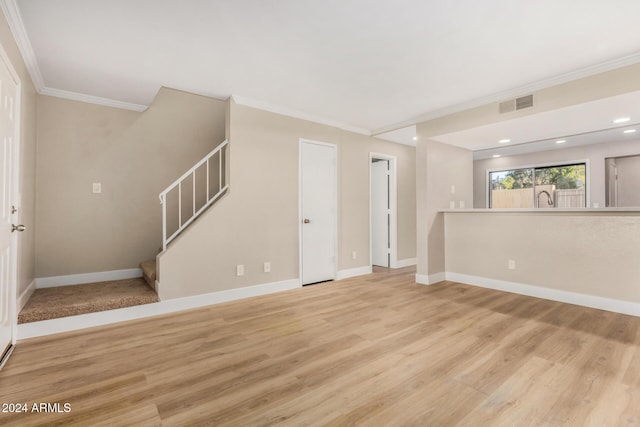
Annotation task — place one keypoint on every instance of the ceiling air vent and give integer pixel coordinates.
(516, 104)
(524, 102)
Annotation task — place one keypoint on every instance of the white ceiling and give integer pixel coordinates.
(368, 65)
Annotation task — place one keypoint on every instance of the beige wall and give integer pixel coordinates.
(134, 156)
(594, 154)
(438, 168)
(257, 221)
(589, 253)
(26, 214)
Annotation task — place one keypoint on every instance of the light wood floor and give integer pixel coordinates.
(377, 350)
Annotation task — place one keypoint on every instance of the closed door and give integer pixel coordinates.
(380, 218)
(318, 211)
(7, 263)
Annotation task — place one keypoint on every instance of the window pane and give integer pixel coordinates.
(512, 188)
(561, 186)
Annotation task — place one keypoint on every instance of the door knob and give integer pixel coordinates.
(306, 221)
(17, 227)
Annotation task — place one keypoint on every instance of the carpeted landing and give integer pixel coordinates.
(63, 301)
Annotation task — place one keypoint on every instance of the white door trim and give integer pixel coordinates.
(15, 194)
(335, 213)
(393, 207)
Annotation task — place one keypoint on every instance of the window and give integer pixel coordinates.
(560, 186)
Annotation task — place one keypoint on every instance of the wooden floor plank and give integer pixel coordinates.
(372, 350)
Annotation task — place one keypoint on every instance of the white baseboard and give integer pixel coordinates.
(602, 303)
(78, 279)
(25, 295)
(406, 262)
(353, 272)
(423, 279)
(438, 277)
(82, 321)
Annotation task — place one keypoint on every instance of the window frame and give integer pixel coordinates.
(509, 167)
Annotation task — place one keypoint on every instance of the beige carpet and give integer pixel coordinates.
(63, 301)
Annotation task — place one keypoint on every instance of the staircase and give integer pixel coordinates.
(149, 272)
(187, 198)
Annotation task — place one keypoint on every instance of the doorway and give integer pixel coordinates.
(9, 155)
(383, 200)
(622, 179)
(318, 211)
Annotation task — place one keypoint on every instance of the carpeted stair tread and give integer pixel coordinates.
(63, 301)
(149, 272)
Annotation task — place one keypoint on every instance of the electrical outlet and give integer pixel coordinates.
(511, 265)
(461, 204)
(97, 188)
(240, 270)
(267, 267)
(452, 204)
(354, 255)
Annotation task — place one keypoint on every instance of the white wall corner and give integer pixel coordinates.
(79, 279)
(353, 272)
(25, 295)
(618, 306)
(406, 262)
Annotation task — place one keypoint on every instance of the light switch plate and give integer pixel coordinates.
(97, 188)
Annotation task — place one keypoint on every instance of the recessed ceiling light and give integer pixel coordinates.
(622, 120)
(629, 131)
(415, 138)
(561, 141)
(496, 156)
(504, 141)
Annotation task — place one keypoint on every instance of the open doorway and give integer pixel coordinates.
(622, 179)
(383, 225)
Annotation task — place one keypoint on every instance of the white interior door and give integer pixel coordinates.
(318, 212)
(8, 125)
(380, 219)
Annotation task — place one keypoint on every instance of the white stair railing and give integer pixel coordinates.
(209, 199)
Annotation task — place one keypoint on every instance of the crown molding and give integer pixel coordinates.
(14, 19)
(75, 96)
(16, 25)
(515, 92)
(297, 114)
